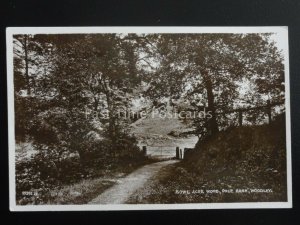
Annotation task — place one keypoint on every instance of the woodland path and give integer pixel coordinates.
(120, 192)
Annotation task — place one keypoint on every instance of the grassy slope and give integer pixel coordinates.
(154, 131)
(240, 158)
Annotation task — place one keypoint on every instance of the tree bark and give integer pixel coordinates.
(112, 121)
(25, 45)
(96, 103)
(212, 123)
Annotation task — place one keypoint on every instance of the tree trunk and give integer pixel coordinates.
(25, 45)
(212, 123)
(112, 122)
(96, 103)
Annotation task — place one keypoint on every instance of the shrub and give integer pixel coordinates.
(35, 177)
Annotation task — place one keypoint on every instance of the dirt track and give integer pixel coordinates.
(120, 193)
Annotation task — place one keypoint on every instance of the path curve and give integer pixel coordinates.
(120, 193)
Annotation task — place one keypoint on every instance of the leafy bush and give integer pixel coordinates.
(55, 166)
(35, 177)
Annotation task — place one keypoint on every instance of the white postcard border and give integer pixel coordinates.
(10, 31)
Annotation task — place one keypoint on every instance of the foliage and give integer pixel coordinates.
(209, 70)
(52, 167)
(62, 81)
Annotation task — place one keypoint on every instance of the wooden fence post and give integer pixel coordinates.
(177, 152)
(144, 150)
(240, 118)
(269, 111)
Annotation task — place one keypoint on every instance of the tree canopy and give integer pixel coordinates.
(59, 77)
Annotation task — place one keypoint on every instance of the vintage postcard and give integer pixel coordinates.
(148, 118)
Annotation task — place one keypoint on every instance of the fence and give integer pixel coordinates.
(179, 153)
(166, 152)
(267, 109)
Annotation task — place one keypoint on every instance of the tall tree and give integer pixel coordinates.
(97, 72)
(211, 65)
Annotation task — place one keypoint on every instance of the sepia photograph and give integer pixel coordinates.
(148, 118)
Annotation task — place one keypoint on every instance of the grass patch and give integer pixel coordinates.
(80, 193)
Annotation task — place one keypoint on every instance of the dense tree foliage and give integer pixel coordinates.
(73, 92)
(211, 71)
(58, 78)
